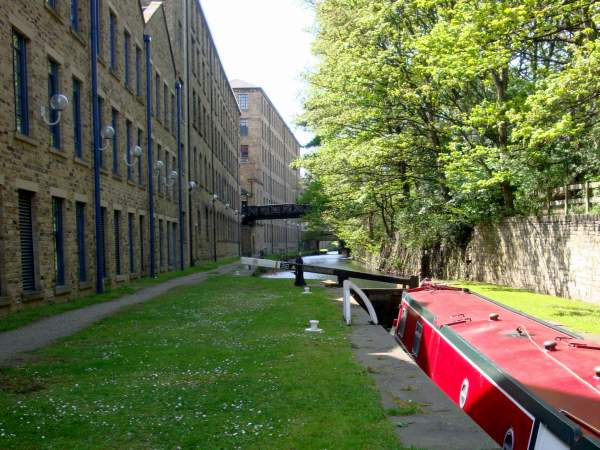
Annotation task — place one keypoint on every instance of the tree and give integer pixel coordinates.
(433, 116)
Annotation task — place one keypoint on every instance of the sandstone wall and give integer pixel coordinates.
(558, 255)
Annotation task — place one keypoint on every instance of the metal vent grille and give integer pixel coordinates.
(26, 235)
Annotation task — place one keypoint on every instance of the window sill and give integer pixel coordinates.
(57, 152)
(26, 139)
(114, 73)
(134, 276)
(104, 171)
(78, 35)
(32, 296)
(54, 13)
(120, 278)
(62, 290)
(131, 182)
(4, 301)
(142, 186)
(139, 99)
(81, 162)
(130, 89)
(84, 285)
(117, 176)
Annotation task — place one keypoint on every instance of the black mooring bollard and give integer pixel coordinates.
(299, 272)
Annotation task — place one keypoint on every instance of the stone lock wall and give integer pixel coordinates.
(558, 255)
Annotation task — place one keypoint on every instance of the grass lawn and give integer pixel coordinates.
(575, 315)
(33, 313)
(224, 364)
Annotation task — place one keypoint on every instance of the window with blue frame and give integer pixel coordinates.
(126, 44)
(76, 101)
(115, 141)
(101, 125)
(128, 148)
(169, 250)
(142, 234)
(167, 171)
(166, 104)
(157, 93)
(130, 242)
(53, 90)
(117, 225)
(19, 49)
(174, 167)
(161, 251)
(243, 101)
(140, 172)
(58, 232)
(158, 158)
(100, 27)
(52, 3)
(80, 231)
(174, 243)
(173, 114)
(103, 239)
(138, 71)
(75, 15)
(112, 36)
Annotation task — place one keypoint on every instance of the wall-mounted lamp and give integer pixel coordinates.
(107, 134)
(226, 205)
(58, 103)
(215, 197)
(170, 181)
(130, 154)
(193, 185)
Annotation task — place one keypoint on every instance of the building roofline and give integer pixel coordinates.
(159, 5)
(219, 61)
(258, 88)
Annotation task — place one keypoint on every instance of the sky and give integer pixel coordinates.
(267, 43)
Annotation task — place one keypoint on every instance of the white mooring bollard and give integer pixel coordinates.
(314, 327)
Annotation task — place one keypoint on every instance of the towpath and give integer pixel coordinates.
(431, 420)
(15, 344)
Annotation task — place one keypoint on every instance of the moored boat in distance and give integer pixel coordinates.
(530, 385)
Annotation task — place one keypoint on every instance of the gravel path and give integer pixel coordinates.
(15, 343)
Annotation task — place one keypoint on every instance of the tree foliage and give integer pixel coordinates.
(433, 116)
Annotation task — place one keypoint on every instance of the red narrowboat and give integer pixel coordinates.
(530, 385)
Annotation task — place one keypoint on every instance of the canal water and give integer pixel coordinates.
(333, 260)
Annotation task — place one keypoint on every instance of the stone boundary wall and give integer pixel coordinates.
(557, 255)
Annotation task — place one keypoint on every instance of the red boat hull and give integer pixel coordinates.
(511, 414)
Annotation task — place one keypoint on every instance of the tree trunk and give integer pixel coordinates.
(501, 83)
